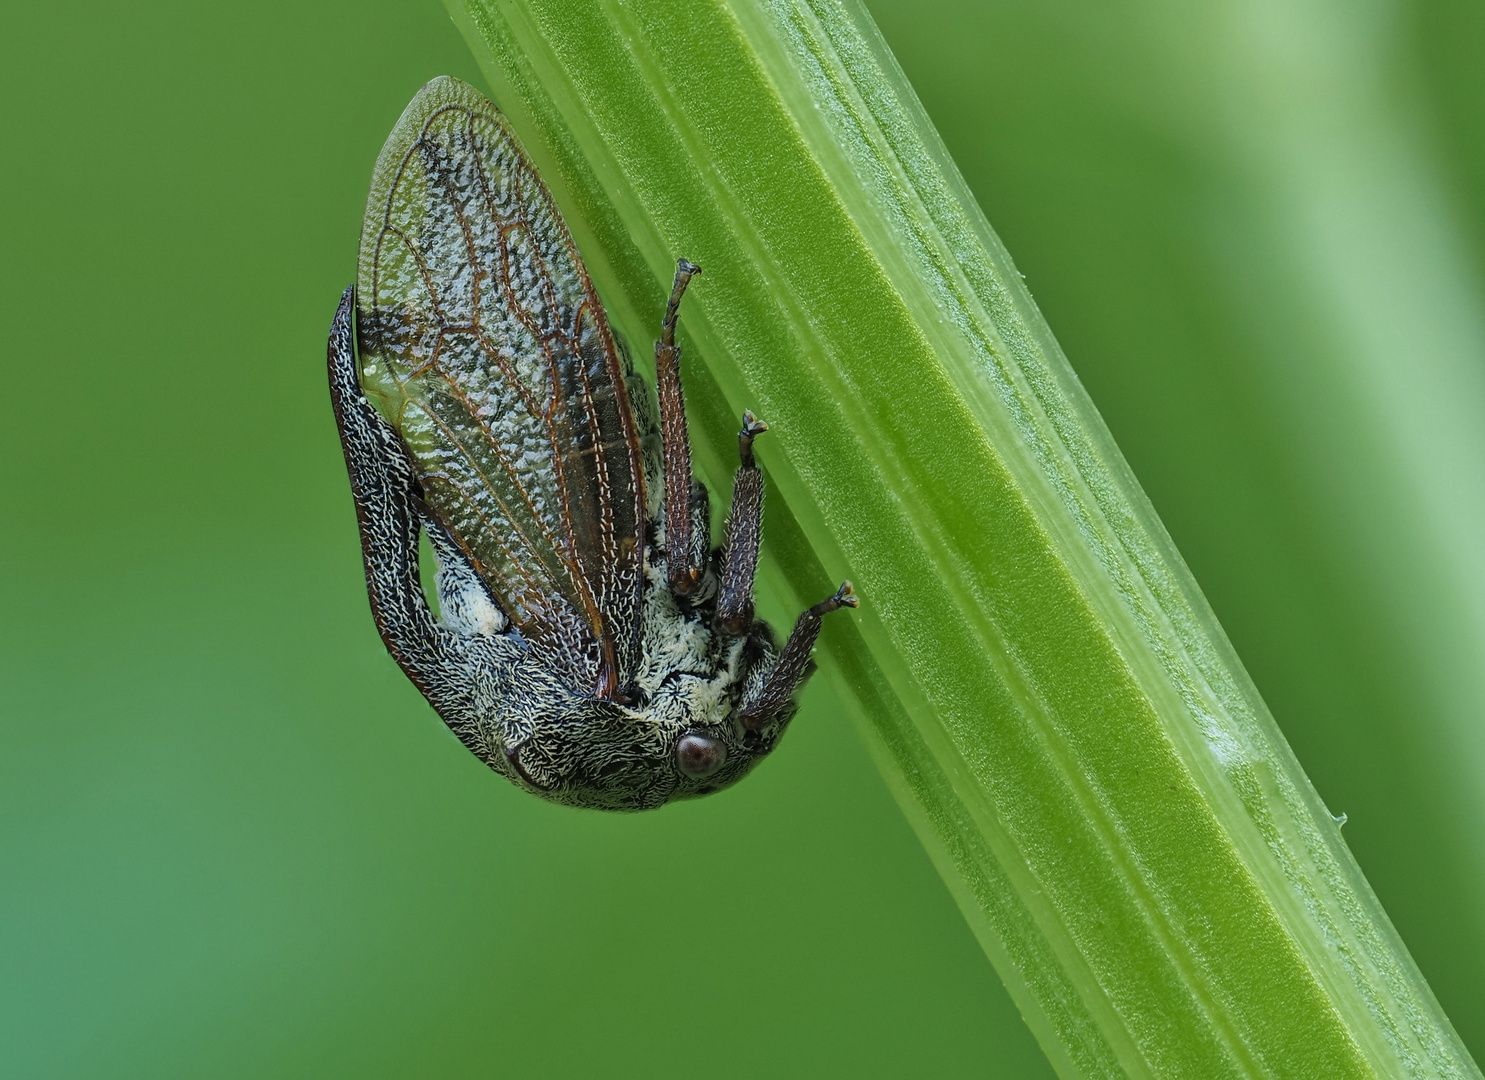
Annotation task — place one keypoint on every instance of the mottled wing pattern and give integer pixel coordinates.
(482, 340)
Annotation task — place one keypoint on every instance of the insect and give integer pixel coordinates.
(591, 644)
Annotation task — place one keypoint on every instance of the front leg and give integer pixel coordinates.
(793, 662)
(386, 492)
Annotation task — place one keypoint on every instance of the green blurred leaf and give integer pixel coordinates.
(1240, 218)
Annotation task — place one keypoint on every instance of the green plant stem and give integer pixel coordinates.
(1045, 688)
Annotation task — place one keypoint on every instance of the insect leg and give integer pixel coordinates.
(701, 530)
(793, 662)
(684, 571)
(743, 533)
(386, 491)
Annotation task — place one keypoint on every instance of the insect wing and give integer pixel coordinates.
(483, 342)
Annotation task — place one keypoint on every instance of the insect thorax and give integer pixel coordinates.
(529, 724)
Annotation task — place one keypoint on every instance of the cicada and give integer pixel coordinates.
(590, 643)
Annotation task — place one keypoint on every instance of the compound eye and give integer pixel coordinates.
(699, 756)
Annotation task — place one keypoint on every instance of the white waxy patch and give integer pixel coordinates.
(467, 608)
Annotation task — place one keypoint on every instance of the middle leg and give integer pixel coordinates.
(743, 534)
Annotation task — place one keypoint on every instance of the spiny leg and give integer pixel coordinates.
(385, 489)
(743, 532)
(683, 568)
(793, 661)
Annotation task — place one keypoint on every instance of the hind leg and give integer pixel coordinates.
(685, 557)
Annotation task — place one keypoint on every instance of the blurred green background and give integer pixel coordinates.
(234, 840)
